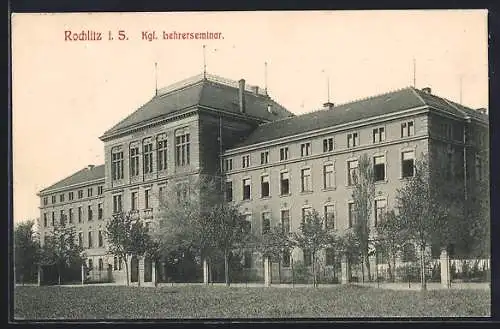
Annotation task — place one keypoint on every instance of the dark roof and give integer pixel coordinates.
(394, 101)
(87, 174)
(210, 91)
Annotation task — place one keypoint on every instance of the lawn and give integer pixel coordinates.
(119, 302)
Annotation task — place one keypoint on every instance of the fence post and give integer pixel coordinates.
(445, 269)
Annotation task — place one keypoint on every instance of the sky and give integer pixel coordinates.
(67, 93)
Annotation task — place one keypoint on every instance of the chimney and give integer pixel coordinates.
(90, 167)
(255, 90)
(241, 95)
(481, 110)
(328, 106)
(427, 90)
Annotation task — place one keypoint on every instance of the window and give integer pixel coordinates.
(407, 129)
(330, 257)
(479, 167)
(61, 198)
(246, 189)
(286, 258)
(101, 240)
(45, 220)
(117, 164)
(352, 140)
(248, 223)
(284, 183)
(71, 196)
(45, 200)
(407, 163)
(378, 135)
(162, 153)
(89, 213)
(115, 263)
(305, 149)
(182, 192)
(247, 259)
(306, 179)
(147, 149)
(147, 203)
(328, 181)
(91, 264)
(328, 145)
(133, 201)
(134, 161)
(266, 222)
(53, 199)
(61, 217)
(53, 219)
(182, 143)
(380, 208)
(446, 130)
(89, 192)
(307, 257)
(352, 172)
(79, 214)
(264, 157)
(70, 215)
(80, 239)
(306, 212)
(99, 211)
(284, 153)
(99, 190)
(120, 264)
(329, 217)
(449, 171)
(91, 243)
(264, 186)
(245, 161)
(100, 264)
(117, 203)
(228, 164)
(351, 214)
(80, 194)
(229, 191)
(285, 221)
(160, 194)
(379, 168)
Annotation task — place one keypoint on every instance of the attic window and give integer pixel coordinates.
(269, 108)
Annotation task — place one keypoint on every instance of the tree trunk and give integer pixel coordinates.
(394, 267)
(126, 271)
(422, 269)
(362, 269)
(138, 273)
(368, 270)
(314, 270)
(279, 270)
(226, 267)
(155, 268)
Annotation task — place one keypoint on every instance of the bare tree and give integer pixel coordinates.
(422, 211)
(312, 236)
(363, 194)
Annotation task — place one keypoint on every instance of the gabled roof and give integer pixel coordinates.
(395, 101)
(209, 91)
(87, 174)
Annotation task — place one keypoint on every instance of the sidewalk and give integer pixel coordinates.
(415, 286)
(430, 285)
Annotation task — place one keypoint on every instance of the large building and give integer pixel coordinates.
(278, 166)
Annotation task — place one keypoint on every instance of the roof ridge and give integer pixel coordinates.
(414, 90)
